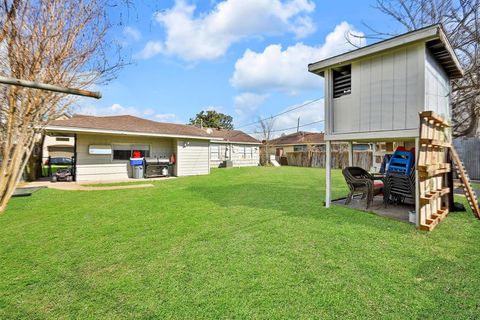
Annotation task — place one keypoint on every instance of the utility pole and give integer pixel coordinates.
(49, 87)
(298, 124)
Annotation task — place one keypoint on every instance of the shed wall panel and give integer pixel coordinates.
(388, 76)
(386, 94)
(437, 87)
(400, 90)
(192, 157)
(365, 92)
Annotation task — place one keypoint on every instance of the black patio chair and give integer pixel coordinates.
(360, 181)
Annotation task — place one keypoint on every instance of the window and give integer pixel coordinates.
(214, 152)
(342, 81)
(64, 139)
(248, 152)
(125, 151)
(300, 148)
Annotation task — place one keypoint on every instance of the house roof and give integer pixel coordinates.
(126, 124)
(300, 137)
(233, 136)
(433, 36)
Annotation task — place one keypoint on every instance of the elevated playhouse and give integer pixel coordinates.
(398, 90)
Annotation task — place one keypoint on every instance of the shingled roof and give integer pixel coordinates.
(127, 123)
(233, 136)
(300, 137)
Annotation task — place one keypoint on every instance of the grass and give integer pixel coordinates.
(55, 168)
(239, 243)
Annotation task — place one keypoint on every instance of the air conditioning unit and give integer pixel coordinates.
(228, 164)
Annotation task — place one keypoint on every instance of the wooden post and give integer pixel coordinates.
(350, 154)
(328, 182)
(417, 183)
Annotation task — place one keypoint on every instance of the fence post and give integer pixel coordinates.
(49, 166)
(350, 154)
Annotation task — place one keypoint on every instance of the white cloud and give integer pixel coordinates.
(149, 112)
(286, 70)
(132, 33)
(114, 109)
(117, 109)
(247, 103)
(166, 117)
(209, 35)
(151, 49)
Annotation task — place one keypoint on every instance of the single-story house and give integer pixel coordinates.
(236, 147)
(298, 141)
(104, 145)
(57, 147)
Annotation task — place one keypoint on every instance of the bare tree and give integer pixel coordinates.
(264, 130)
(59, 42)
(461, 21)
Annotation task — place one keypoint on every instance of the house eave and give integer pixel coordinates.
(60, 129)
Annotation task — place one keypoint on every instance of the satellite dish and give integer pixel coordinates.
(209, 131)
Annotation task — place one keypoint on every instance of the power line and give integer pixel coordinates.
(281, 113)
(285, 129)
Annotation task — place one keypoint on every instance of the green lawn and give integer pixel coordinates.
(239, 243)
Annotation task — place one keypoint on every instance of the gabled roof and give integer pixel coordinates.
(233, 136)
(300, 137)
(433, 36)
(126, 124)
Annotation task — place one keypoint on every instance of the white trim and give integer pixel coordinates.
(328, 181)
(125, 133)
(372, 136)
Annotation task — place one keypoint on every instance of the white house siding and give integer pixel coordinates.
(103, 167)
(192, 157)
(235, 152)
(224, 154)
(250, 159)
(385, 93)
(436, 87)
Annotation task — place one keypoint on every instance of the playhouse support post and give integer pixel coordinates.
(417, 183)
(350, 154)
(328, 169)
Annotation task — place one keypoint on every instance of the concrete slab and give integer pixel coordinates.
(397, 212)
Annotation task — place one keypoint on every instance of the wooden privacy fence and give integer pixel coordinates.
(316, 159)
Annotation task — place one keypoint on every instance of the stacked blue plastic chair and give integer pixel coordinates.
(401, 162)
(400, 178)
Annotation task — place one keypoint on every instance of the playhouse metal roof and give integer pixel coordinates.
(433, 36)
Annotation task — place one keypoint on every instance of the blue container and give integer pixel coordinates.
(136, 162)
(401, 162)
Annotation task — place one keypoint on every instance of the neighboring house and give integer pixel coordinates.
(104, 145)
(57, 147)
(298, 141)
(236, 146)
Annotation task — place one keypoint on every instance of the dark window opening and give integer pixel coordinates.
(121, 154)
(342, 81)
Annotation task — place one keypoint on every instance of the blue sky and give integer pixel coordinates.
(245, 58)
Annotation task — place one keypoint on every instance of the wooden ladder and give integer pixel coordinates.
(467, 187)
